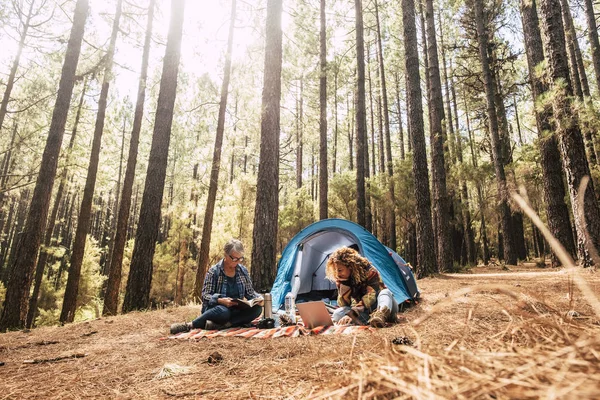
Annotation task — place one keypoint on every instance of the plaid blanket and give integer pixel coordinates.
(289, 331)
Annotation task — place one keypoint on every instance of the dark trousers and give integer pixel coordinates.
(221, 315)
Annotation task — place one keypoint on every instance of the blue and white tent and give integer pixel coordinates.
(301, 268)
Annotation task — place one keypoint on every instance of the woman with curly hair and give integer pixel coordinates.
(362, 296)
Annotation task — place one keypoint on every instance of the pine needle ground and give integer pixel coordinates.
(531, 334)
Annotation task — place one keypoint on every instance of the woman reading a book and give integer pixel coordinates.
(228, 297)
(362, 296)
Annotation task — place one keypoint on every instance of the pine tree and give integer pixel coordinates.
(20, 275)
(554, 189)
(137, 294)
(83, 222)
(267, 187)
(216, 166)
(425, 241)
(111, 296)
(575, 165)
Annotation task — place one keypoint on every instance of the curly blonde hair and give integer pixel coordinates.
(350, 258)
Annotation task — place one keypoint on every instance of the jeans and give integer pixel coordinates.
(385, 298)
(221, 315)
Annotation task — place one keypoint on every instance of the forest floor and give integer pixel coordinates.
(492, 333)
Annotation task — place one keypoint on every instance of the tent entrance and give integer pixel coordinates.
(309, 281)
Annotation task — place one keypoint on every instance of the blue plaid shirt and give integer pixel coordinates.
(215, 285)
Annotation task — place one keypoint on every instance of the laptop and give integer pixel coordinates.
(314, 313)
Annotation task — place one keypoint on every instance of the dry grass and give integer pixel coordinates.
(472, 339)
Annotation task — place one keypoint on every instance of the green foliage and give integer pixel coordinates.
(296, 212)
(342, 195)
(2, 293)
(90, 282)
(167, 259)
(48, 317)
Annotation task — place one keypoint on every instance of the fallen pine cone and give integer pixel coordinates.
(402, 340)
(285, 320)
(215, 357)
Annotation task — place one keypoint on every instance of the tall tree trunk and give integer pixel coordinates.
(568, 41)
(593, 38)
(361, 123)
(388, 143)
(517, 121)
(450, 139)
(323, 174)
(43, 257)
(517, 233)
(113, 225)
(17, 229)
(350, 136)
(7, 162)
(137, 293)
(83, 222)
(335, 129)
(510, 254)
(235, 121)
(552, 177)
(15, 65)
(369, 224)
(5, 244)
(299, 139)
(264, 248)
(408, 132)
(17, 292)
(438, 164)
(425, 241)
(183, 249)
(570, 140)
(464, 194)
(371, 110)
(400, 127)
(111, 297)
(204, 255)
(578, 75)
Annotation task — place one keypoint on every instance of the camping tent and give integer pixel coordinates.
(301, 268)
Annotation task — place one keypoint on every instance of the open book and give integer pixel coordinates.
(243, 303)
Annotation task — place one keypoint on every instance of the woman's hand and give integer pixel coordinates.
(226, 301)
(344, 321)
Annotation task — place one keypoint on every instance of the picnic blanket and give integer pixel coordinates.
(288, 331)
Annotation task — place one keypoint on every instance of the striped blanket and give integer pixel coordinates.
(289, 331)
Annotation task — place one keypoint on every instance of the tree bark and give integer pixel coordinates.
(335, 129)
(137, 293)
(183, 249)
(388, 143)
(83, 222)
(575, 165)
(400, 127)
(438, 163)
(552, 177)
(510, 255)
(111, 297)
(17, 292)
(264, 247)
(593, 38)
(43, 257)
(299, 134)
(204, 254)
(425, 241)
(323, 174)
(361, 123)
(579, 76)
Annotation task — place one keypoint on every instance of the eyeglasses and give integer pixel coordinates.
(236, 259)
